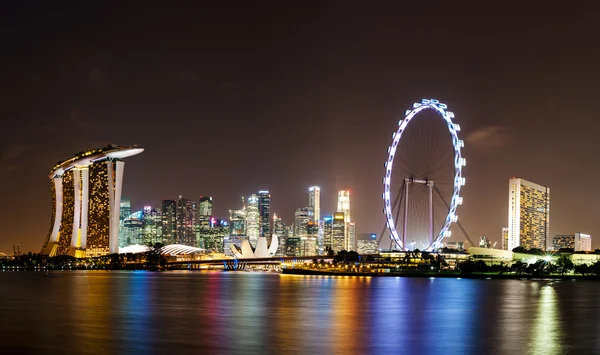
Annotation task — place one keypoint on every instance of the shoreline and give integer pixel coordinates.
(453, 275)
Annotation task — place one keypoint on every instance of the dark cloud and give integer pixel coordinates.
(489, 137)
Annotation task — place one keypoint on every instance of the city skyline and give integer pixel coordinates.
(323, 98)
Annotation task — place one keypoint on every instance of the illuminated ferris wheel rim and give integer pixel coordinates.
(459, 162)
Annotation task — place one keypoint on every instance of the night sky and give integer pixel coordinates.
(231, 98)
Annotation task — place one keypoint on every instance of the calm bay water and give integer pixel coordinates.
(267, 313)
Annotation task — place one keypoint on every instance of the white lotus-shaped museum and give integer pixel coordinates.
(262, 250)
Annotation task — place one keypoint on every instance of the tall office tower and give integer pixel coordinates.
(292, 246)
(205, 206)
(309, 242)
(252, 220)
(338, 235)
(528, 215)
(237, 222)
(301, 218)
(169, 221)
(314, 201)
(343, 204)
(504, 238)
(187, 215)
(125, 212)
(181, 220)
(151, 226)
(327, 233)
(351, 240)
(191, 221)
(133, 232)
(312, 229)
(86, 201)
(264, 209)
(219, 230)
(281, 231)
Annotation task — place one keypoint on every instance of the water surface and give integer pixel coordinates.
(143, 312)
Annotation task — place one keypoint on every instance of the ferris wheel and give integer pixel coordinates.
(428, 160)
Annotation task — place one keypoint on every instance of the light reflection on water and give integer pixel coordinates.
(251, 313)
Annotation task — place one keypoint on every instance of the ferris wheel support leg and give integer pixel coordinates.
(406, 183)
(430, 185)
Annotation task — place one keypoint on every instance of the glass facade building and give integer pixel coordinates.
(338, 233)
(169, 221)
(205, 206)
(314, 201)
(264, 210)
(327, 232)
(252, 220)
(302, 217)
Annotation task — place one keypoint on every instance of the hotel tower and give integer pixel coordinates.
(86, 199)
(528, 215)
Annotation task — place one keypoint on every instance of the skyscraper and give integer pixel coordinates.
(351, 240)
(169, 221)
(191, 220)
(301, 218)
(327, 232)
(314, 201)
(86, 196)
(338, 233)
(264, 209)
(125, 208)
(125, 212)
(281, 230)
(187, 216)
(132, 229)
(181, 220)
(252, 220)
(205, 206)
(528, 215)
(151, 226)
(343, 204)
(237, 222)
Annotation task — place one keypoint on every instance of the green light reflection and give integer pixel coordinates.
(546, 332)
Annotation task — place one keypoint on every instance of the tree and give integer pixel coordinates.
(519, 249)
(536, 251)
(564, 264)
(539, 268)
(582, 269)
(518, 267)
(595, 268)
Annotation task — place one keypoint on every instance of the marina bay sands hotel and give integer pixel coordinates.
(86, 200)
